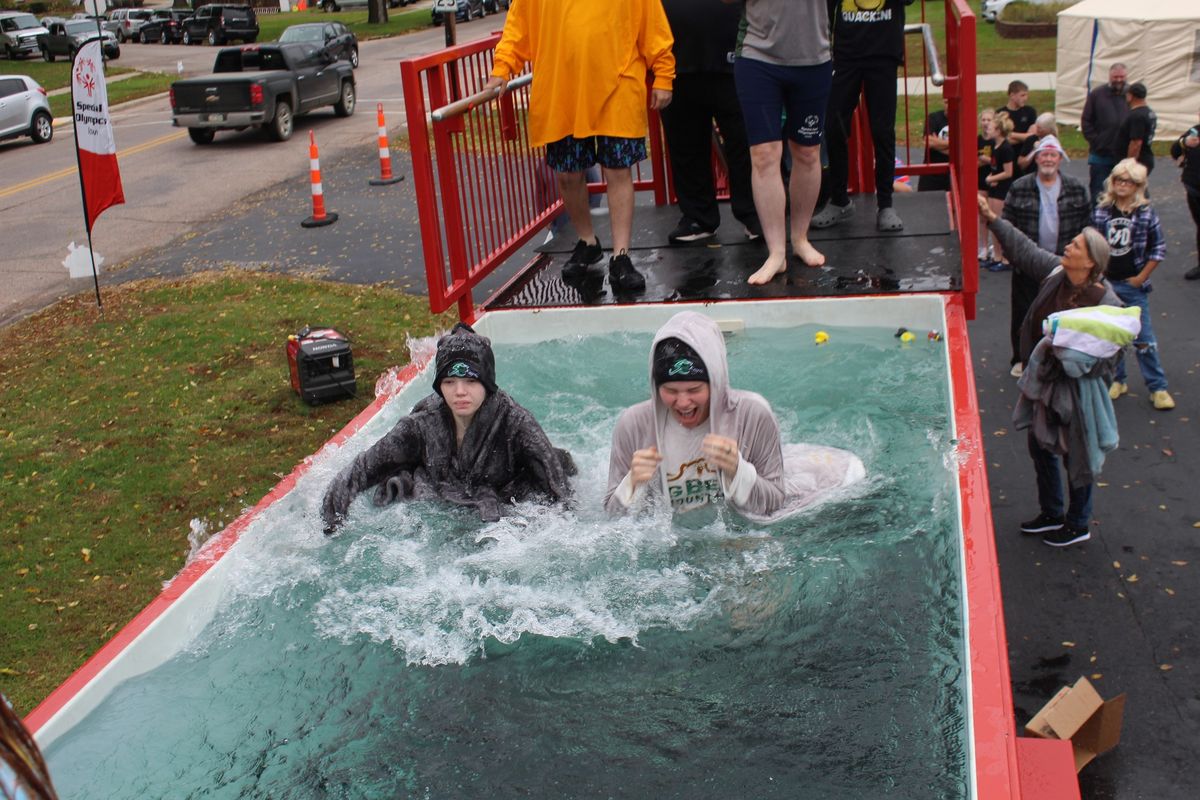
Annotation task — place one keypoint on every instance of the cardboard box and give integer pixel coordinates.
(1078, 713)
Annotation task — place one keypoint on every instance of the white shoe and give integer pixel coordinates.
(1017, 370)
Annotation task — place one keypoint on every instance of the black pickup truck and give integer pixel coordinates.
(265, 85)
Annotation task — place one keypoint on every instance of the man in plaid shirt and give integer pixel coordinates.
(1050, 208)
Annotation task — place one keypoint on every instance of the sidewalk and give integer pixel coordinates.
(983, 83)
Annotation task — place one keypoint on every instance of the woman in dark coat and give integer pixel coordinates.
(469, 444)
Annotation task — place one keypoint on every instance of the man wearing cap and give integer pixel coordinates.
(700, 442)
(1103, 112)
(1136, 133)
(1050, 208)
(469, 444)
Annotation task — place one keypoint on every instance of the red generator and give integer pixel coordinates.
(321, 365)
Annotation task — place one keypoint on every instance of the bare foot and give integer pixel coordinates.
(770, 268)
(808, 254)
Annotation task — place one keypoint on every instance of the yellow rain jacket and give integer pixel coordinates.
(590, 59)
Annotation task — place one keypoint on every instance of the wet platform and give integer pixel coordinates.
(860, 260)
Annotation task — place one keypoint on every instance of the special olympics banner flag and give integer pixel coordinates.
(99, 176)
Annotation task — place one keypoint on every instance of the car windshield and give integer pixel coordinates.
(81, 27)
(22, 22)
(302, 33)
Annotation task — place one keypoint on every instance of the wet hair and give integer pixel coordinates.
(19, 753)
(1132, 169)
(1018, 86)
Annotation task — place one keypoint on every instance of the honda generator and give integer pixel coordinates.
(321, 365)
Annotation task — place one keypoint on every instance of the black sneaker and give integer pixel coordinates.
(1067, 535)
(622, 275)
(688, 231)
(1042, 523)
(1192, 274)
(582, 257)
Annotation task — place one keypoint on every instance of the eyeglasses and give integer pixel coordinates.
(1129, 181)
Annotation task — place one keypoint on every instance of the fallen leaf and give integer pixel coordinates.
(1068, 644)
(1101, 484)
(1162, 508)
(1092, 660)
(1169, 591)
(1180, 563)
(1097, 676)
(1116, 565)
(8, 671)
(1165, 667)
(1132, 579)
(87, 555)
(33, 626)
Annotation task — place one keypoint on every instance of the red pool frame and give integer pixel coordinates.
(995, 746)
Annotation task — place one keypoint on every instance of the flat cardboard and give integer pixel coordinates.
(1078, 713)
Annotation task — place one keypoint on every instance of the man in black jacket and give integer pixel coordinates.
(1186, 152)
(705, 35)
(868, 46)
(1050, 208)
(1103, 113)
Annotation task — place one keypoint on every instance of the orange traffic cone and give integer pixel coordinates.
(385, 155)
(319, 217)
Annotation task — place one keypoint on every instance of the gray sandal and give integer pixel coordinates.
(888, 220)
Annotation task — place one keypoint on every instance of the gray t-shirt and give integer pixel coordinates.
(792, 33)
(1048, 215)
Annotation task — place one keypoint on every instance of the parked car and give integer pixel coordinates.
(48, 21)
(24, 109)
(65, 39)
(219, 24)
(264, 85)
(495, 6)
(466, 9)
(126, 22)
(991, 8)
(339, 5)
(18, 34)
(334, 36)
(165, 26)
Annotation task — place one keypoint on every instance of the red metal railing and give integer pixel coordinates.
(959, 93)
(482, 190)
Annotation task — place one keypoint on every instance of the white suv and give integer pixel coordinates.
(991, 8)
(24, 110)
(18, 34)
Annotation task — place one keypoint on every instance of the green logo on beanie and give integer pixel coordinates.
(461, 369)
(683, 366)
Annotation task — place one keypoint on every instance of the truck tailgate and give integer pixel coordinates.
(209, 97)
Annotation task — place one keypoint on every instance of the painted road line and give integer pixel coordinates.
(62, 173)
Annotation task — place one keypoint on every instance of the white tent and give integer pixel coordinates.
(1157, 40)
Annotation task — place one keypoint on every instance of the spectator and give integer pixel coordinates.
(1136, 133)
(468, 443)
(588, 106)
(868, 47)
(1050, 208)
(1046, 125)
(700, 442)
(1073, 280)
(1103, 112)
(1135, 238)
(783, 67)
(1000, 176)
(983, 168)
(937, 145)
(1023, 117)
(1186, 152)
(705, 35)
(23, 773)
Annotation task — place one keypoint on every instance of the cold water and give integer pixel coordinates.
(560, 654)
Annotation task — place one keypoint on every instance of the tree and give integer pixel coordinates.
(377, 12)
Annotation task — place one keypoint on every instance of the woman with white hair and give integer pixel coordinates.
(1135, 238)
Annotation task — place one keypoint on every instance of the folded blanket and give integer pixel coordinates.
(1099, 331)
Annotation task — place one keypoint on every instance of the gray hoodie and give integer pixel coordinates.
(763, 488)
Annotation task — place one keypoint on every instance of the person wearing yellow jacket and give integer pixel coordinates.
(590, 60)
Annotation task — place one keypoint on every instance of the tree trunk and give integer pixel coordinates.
(377, 12)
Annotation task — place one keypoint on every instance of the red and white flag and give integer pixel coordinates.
(99, 176)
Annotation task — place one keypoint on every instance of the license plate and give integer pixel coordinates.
(214, 117)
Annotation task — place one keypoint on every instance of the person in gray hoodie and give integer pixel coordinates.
(469, 444)
(699, 442)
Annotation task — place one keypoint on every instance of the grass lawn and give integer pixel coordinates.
(994, 55)
(143, 84)
(56, 75)
(119, 428)
(399, 21)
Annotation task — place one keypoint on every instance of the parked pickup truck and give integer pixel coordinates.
(265, 85)
(64, 38)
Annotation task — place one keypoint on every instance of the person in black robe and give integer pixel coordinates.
(468, 444)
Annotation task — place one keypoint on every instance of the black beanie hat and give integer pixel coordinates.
(675, 360)
(462, 353)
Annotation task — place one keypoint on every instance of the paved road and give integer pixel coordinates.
(170, 184)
